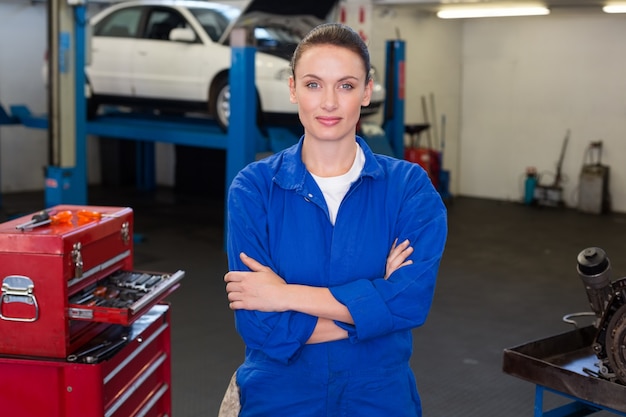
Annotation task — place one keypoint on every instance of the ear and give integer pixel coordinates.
(367, 96)
(292, 90)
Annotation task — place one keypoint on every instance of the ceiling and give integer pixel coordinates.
(552, 4)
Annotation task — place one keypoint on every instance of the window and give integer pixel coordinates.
(213, 22)
(121, 24)
(161, 22)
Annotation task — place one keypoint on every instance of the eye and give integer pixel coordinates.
(346, 86)
(312, 84)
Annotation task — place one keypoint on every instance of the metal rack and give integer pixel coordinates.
(559, 365)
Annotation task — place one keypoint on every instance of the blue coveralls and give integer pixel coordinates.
(278, 216)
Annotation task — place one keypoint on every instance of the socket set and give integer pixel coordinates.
(122, 295)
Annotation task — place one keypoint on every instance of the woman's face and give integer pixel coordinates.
(329, 88)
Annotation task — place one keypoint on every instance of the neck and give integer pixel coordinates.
(328, 159)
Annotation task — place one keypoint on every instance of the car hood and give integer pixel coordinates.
(319, 8)
(300, 17)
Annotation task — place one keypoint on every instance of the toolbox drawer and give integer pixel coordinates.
(134, 380)
(47, 271)
(122, 296)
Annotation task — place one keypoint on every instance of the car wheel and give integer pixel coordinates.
(219, 102)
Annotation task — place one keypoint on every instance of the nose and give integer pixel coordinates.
(329, 100)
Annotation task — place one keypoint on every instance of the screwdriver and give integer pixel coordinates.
(85, 216)
(58, 218)
(37, 217)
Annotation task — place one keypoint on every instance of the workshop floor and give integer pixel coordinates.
(507, 277)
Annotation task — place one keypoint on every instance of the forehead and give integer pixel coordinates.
(328, 56)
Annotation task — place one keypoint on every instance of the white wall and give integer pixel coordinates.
(525, 82)
(23, 152)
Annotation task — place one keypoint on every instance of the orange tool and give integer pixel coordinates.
(62, 217)
(86, 216)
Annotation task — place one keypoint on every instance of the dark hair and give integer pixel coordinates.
(336, 34)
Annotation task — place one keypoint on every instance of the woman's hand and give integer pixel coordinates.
(397, 257)
(258, 289)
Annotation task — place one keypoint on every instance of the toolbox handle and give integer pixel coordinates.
(18, 289)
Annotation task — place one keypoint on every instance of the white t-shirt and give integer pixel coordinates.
(336, 188)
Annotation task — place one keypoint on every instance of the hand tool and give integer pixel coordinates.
(142, 280)
(37, 217)
(58, 218)
(76, 356)
(100, 291)
(112, 293)
(151, 283)
(83, 299)
(106, 351)
(86, 216)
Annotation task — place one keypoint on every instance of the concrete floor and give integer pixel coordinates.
(507, 277)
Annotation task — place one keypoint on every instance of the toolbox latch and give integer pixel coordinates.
(125, 232)
(77, 258)
(18, 289)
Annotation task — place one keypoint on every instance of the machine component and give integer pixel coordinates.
(588, 364)
(593, 186)
(608, 301)
(594, 269)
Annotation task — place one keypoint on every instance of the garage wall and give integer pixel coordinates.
(526, 81)
(23, 152)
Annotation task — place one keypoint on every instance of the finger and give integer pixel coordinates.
(251, 263)
(399, 247)
(232, 276)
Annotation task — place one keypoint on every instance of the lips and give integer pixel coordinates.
(328, 121)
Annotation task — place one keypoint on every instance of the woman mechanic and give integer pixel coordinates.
(333, 253)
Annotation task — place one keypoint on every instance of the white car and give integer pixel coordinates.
(174, 55)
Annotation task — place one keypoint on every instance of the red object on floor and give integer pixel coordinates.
(428, 159)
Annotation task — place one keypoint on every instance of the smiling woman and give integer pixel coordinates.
(333, 252)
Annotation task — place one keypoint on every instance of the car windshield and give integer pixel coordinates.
(215, 21)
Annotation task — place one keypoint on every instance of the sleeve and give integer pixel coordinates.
(401, 302)
(279, 335)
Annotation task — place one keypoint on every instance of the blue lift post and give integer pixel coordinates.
(242, 129)
(393, 120)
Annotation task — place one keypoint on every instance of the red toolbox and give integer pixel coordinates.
(133, 382)
(64, 282)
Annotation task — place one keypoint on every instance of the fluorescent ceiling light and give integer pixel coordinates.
(615, 8)
(490, 11)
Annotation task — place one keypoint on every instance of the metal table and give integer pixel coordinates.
(557, 364)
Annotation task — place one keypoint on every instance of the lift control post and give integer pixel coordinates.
(66, 177)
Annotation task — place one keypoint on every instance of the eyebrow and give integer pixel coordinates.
(345, 78)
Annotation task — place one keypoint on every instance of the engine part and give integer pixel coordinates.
(608, 301)
(594, 269)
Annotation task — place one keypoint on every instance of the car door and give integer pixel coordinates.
(165, 69)
(112, 48)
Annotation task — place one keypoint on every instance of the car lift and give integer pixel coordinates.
(66, 177)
